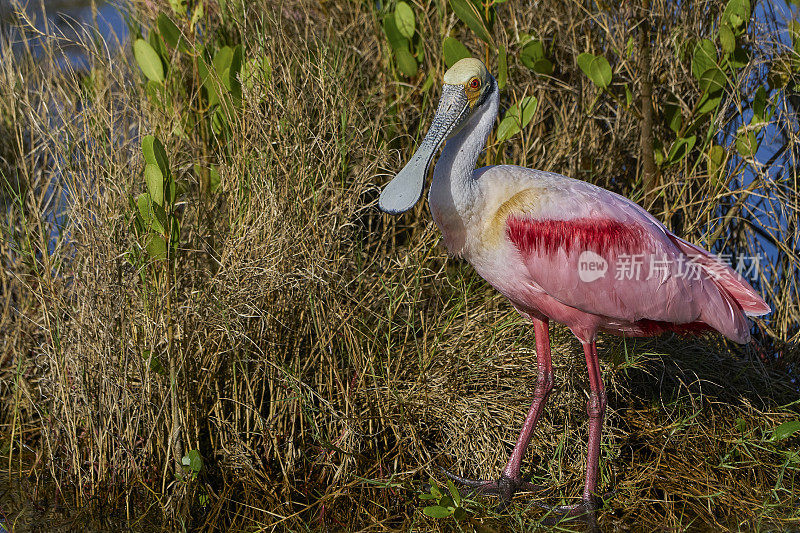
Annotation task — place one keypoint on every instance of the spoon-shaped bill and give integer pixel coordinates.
(405, 190)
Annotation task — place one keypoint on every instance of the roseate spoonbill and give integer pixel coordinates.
(561, 249)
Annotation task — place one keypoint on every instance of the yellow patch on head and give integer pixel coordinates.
(524, 201)
(472, 74)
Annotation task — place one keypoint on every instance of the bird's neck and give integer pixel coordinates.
(460, 154)
(453, 190)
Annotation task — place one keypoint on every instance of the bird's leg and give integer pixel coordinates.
(544, 384)
(596, 408)
(510, 480)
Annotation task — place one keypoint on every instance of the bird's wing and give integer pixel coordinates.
(599, 252)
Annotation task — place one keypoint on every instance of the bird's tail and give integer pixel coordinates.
(725, 277)
(739, 297)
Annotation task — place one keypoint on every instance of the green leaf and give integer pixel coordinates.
(760, 103)
(502, 67)
(178, 6)
(155, 183)
(708, 103)
(170, 191)
(672, 115)
(430, 79)
(712, 80)
(524, 38)
(628, 96)
(231, 79)
(468, 13)
(434, 488)
(170, 33)
(156, 247)
(154, 363)
(236, 61)
(153, 90)
(393, 35)
(418, 51)
(219, 121)
(148, 60)
(427, 497)
(207, 80)
(680, 148)
(596, 68)
(793, 27)
(786, 430)
(532, 56)
(746, 143)
(453, 51)
(584, 61)
(225, 80)
(739, 58)
(155, 154)
(543, 66)
(256, 69)
(531, 53)
(460, 513)
(600, 72)
(157, 43)
(658, 156)
(143, 203)
(716, 157)
(214, 179)
(404, 18)
(534, 49)
(514, 121)
(704, 58)
(727, 39)
(160, 221)
(454, 492)
(222, 60)
(736, 13)
(437, 511)
(193, 460)
(528, 106)
(406, 62)
(508, 127)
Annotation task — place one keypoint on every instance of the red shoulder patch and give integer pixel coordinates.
(604, 236)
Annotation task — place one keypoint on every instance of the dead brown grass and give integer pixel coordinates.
(330, 356)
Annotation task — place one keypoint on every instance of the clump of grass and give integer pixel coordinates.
(329, 357)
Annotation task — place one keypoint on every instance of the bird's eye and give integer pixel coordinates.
(474, 83)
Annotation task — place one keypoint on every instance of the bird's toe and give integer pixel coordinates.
(585, 512)
(504, 488)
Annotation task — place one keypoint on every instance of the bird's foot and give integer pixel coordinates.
(585, 511)
(578, 510)
(504, 488)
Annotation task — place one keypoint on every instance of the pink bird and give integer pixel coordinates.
(561, 249)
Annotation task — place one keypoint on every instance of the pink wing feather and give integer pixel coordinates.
(675, 283)
(726, 278)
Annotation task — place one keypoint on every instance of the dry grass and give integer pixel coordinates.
(330, 356)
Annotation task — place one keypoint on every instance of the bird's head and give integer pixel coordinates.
(467, 86)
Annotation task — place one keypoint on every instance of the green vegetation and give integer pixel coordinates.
(207, 324)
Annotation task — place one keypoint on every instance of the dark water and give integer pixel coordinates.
(71, 22)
